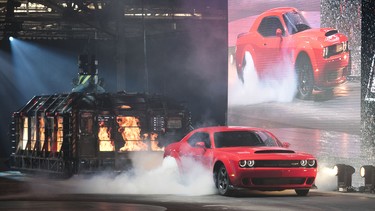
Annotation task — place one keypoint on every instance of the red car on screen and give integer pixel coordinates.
(320, 57)
(246, 158)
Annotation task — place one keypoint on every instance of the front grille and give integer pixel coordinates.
(277, 163)
(334, 75)
(278, 181)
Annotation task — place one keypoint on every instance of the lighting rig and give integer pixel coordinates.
(344, 177)
(368, 173)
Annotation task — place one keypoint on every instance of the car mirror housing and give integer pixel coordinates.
(200, 145)
(286, 144)
(279, 33)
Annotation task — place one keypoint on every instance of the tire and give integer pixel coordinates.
(222, 182)
(248, 69)
(305, 77)
(240, 71)
(302, 192)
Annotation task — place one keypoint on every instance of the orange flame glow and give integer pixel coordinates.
(42, 137)
(129, 127)
(104, 134)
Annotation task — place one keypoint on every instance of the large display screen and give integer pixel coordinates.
(294, 68)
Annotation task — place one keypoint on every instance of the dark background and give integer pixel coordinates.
(190, 67)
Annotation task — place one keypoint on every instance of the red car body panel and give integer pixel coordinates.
(268, 51)
(268, 177)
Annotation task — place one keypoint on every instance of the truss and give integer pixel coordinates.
(102, 19)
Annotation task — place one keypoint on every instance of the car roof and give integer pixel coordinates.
(227, 128)
(277, 11)
(281, 10)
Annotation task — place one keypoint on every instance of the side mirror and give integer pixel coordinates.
(286, 144)
(279, 33)
(200, 145)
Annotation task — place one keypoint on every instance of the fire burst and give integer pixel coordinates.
(130, 130)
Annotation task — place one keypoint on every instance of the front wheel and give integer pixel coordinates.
(305, 77)
(302, 192)
(223, 181)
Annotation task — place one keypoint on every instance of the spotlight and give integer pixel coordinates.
(11, 38)
(368, 172)
(344, 177)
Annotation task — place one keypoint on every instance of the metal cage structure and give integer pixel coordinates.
(76, 133)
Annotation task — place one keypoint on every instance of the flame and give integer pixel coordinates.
(154, 143)
(33, 132)
(42, 137)
(129, 127)
(104, 134)
(60, 133)
(25, 133)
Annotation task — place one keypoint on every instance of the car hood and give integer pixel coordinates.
(264, 152)
(328, 36)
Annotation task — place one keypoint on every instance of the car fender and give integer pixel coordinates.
(240, 55)
(229, 164)
(305, 47)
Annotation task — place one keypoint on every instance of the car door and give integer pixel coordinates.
(269, 46)
(193, 149)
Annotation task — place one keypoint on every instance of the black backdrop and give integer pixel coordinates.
(190, 67)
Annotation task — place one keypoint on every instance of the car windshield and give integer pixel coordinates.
(295, 22)
(243, 139)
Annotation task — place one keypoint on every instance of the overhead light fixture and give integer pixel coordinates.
(344, 177)
(368, 172)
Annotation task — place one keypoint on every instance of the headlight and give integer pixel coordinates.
(335, 170)
(246, 163)
(345, 46)
(250, 163)
(242, 163)
(311, 163)
(325, 52)
(362, 171)
(303, 163)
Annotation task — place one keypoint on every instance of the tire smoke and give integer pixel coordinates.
(148, 176)
(277, 86)
(326, 179)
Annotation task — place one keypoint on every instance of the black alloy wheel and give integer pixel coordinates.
(223, 181)
(305, 77)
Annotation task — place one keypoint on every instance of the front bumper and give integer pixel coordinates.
(332, 71)
(273, 178)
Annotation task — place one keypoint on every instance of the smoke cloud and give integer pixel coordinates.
(326, 179)
(150, 175)
(278, 87)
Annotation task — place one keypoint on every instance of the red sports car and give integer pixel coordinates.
(282, 36)
(246, 158)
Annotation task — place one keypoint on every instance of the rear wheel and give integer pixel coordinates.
(302, 192)
(241, 70)
(305, 77)
(223, 181)
(247, 71)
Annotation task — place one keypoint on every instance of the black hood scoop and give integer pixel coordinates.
(331, 32)
(273, 151)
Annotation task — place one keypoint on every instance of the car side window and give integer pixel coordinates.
(200, 137)
(269, 25)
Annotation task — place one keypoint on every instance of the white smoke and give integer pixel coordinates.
(281, 88)
(149, 176)
(326, 180)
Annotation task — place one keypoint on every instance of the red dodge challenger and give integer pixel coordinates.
(320, 57)
(246, 158)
